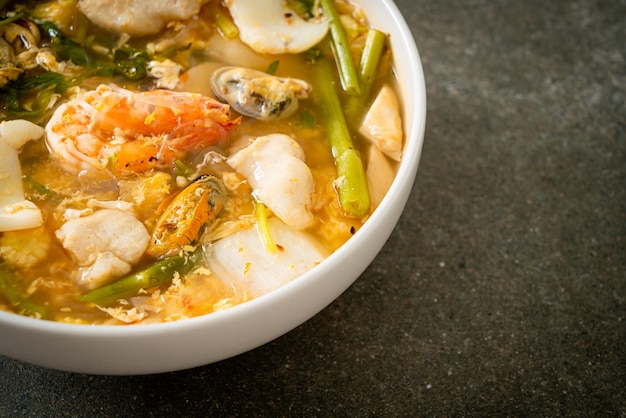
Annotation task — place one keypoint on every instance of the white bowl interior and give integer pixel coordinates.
(155, 348)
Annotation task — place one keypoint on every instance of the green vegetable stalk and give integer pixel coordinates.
(368, 70)
(182, 169)
(370, 59)
(17, 297)
(351, 182)
(263, 229)
(160, 273)
(10, 19)
(347, 69)
(223, 21)
(41, 192)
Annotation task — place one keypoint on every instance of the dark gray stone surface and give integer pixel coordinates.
(502, 290)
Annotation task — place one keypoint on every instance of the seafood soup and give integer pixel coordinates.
(163, 160)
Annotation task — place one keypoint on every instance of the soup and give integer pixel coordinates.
(171, 166)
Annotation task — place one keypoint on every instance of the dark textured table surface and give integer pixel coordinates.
(502, 291)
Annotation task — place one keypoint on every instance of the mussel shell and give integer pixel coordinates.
(257, 94)
(185, 218)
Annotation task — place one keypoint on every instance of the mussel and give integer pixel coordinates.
(185, 218)
(19, 43)
(257, 94)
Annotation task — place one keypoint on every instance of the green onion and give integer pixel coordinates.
(42, 190)
(182, 169)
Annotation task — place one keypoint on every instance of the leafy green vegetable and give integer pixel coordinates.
(312, 55)
(307, 120)
(43, 80)
(66, 49)
(303, 8)
(131, 63)
(16, 296)
(273, 67)
(31, 95)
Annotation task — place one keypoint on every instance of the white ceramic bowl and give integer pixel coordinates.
(143, 349)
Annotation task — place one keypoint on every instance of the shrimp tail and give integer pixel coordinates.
(195, 135)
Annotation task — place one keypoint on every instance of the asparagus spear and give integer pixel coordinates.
(351, 184)
(370, 59)
(347, 69)
(161, 272)
(16, 296)
(368, 69)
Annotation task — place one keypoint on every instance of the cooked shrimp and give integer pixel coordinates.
(131, 132)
